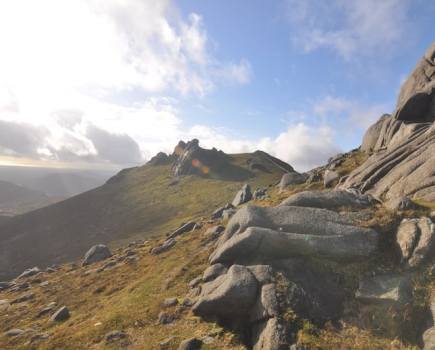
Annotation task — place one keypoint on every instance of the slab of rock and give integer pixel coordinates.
(330, 199)
(190, 344)
(97, 253)
(262, 243)
(416, 241)
(243, 196)
(329, 177)
(29, 272)
(187, 227)
(389, 288)
(229, 295)
(293, 178)
(61, 315)
(214, 271)
(284, 231)
(168, 244)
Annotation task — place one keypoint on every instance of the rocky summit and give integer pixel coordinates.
(201, 249)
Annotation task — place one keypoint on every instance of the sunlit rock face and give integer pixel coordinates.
(416, 101)
(192, 159)
(402, 145)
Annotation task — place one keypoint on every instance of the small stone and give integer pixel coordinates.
(61, 315)
(23, 298)
(165, 344)
(14, 332)
(169, 302)
(29, 272)
(190, 344)
(45, 311)
(187, 303)
(39, 337)
(115, 336)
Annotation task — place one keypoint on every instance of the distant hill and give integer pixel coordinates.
(54, 182)
(138, 202)
(15, 200)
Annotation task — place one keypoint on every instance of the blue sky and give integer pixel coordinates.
(299, 79)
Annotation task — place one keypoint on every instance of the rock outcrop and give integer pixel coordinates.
(261, 268)
(416, 102)
(402, 145)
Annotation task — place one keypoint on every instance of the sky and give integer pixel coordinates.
(109, 83)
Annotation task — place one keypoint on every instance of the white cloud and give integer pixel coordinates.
(352, 29)
(348, 112)
(69, 66)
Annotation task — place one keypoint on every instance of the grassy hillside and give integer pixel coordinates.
(130, 295)
(137, 203)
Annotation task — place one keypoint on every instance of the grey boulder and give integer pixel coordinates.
(293, 178)
(214, 271)
(243, 196)
(165, 246)
(416, 241)
(97, 253)
(228, 296)
(61, 315)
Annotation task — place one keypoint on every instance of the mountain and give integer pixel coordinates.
(340, 257)
(54, 182)
(15, 200)
(137, 202)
